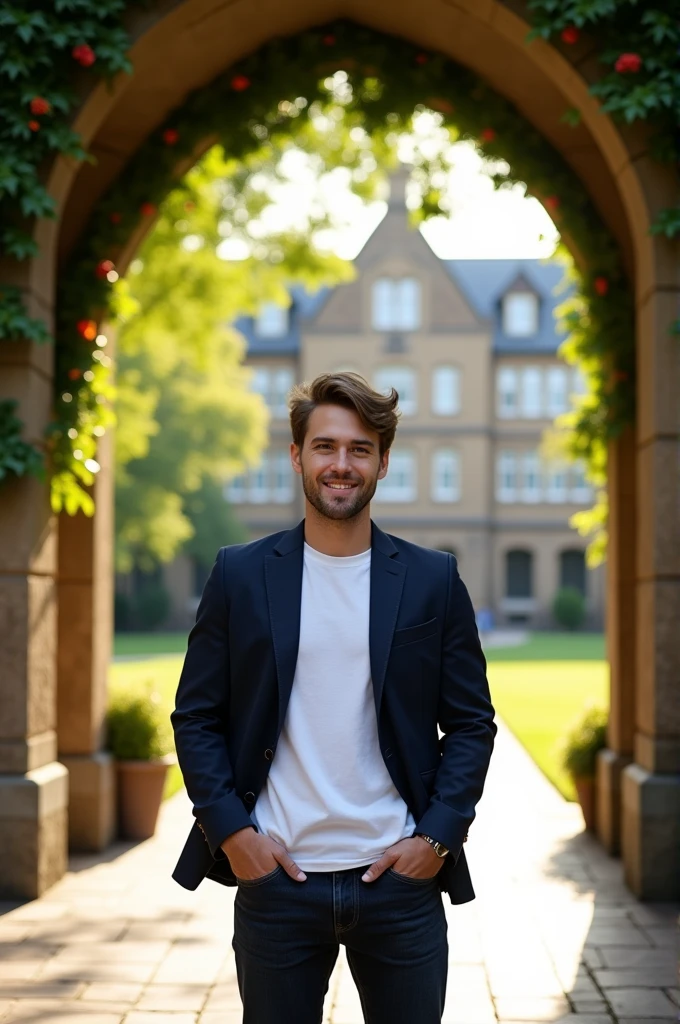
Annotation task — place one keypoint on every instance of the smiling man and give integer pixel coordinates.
(334, 728)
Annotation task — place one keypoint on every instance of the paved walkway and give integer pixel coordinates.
(554, 935)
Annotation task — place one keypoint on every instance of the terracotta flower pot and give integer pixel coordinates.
(586, 792)
(140, 791)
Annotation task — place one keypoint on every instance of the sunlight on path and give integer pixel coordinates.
(553, 936)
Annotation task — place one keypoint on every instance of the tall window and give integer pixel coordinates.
(557, 482)
(400, 484)
(258, 490)
(520, 314)
(506, 477)
(573, 570)
(532, 398)
(236, 489)
(260, 383)
(396, 304)
(507, 383)
(445, 475)
(519, 574)
(404, 380)
(580, 490)
(531, 477)
(282, 482)
(557, 381)
(445, 390)
(281, 383)
(271, 321)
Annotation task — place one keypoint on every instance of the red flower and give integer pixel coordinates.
(189, 205)
(328, 40)
(570, 35)
(422, 58)
(170, 136)
(487, 135)
(239, 83)
(601, 285)
(628, 63)
(84, 54)
(439, 103)
(75, 374)
(39, 106)
(34, 126)
(87, 329)
(147, 209)
(552, 202)
(103, 268)
(115, 218)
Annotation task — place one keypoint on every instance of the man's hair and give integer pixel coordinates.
(376, 411)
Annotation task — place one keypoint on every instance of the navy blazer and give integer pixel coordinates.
(428, 674)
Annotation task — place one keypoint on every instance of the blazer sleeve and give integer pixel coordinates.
(466, 718)
(201, 715)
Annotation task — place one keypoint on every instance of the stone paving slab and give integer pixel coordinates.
(554, 935)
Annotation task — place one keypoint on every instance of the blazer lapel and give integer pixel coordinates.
(387, 584)
(283, 580)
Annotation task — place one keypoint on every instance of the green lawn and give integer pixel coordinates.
(538, 688)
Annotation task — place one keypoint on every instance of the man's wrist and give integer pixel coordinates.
(233, 835)
(439, 848)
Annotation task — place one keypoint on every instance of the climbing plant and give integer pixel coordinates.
(270, 95)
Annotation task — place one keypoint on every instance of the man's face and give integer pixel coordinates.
(339, 462)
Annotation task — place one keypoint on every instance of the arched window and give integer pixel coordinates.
(573, 570)
(519, 574)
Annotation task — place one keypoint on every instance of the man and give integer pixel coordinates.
(323, 663)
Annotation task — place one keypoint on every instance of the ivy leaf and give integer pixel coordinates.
(571, 117)
(38, 203)
(667, 223)
(19, 244)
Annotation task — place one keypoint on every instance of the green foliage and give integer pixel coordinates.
(569, 608)
(583, 743)
(151, 605)
(17, 457)
(137, 724)
(292, 95)
(15, 324)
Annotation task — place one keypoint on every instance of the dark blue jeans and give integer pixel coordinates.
(287, 936)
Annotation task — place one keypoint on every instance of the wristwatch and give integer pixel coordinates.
(438, 848)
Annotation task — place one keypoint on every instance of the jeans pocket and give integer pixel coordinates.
(409, 880)
(251, 883)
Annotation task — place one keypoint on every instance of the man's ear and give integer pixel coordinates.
(295, 457)
(384, 463)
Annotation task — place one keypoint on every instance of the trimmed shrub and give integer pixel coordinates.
(138, 727)
(583, 743)
(569, 607)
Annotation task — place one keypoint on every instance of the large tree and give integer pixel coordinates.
(187, 420)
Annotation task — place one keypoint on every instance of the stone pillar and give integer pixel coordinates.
(85, 627)
(651, 786)
(620, 638)
(33, 786)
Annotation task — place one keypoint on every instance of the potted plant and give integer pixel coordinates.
(140, 740)
(581, 747)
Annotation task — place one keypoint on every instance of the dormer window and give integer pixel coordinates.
(520, 314)
(396, 304)
(271, 321)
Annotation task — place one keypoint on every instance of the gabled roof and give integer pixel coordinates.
(485, 282)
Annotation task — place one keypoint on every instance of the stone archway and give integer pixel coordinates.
(48, 564)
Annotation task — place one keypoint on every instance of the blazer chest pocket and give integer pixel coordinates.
(411, 634)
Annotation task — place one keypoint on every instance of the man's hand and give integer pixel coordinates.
(413, 857)
(253, 855)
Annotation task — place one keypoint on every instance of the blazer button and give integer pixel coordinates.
(269, 754)
(249, 797)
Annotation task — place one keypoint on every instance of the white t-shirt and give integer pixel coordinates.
(329, 798)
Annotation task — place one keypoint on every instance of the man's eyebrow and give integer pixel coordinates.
(357, 440)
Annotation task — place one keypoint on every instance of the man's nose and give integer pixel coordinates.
(341, 460)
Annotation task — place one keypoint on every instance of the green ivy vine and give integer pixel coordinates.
(270, 93)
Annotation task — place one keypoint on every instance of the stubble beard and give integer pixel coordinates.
(347, 507)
